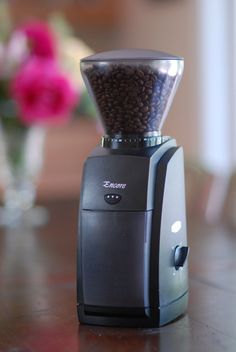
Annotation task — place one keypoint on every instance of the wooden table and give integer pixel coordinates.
(38, 297)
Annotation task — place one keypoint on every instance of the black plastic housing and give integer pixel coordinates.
(127, 275)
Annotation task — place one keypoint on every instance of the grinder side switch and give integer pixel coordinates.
(180, 256)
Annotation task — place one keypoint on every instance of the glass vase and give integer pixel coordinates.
(21, 161)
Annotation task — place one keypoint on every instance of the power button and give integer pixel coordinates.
(112, 198)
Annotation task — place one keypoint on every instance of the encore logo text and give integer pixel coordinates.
(109, 184)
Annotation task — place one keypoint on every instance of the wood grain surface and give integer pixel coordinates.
(38, 294)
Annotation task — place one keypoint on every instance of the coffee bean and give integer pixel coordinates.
(145, 109)
(140, 73)
(131, 98)
(148, 84)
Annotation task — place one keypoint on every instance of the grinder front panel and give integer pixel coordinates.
(116, 182)
(115, 258)
(115, 229)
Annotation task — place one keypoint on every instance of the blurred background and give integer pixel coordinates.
(202, 117)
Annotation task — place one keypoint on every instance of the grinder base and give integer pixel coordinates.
(133, 317)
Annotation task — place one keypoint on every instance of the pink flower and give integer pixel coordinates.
(41, 39)
(43, 94)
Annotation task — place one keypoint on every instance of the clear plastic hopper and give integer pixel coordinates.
(132, 89)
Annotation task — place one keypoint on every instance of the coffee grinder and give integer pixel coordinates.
(132, 245)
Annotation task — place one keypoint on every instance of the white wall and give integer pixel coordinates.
(216, 101)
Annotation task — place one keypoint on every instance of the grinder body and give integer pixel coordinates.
(132, 245)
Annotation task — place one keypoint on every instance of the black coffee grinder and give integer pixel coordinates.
(132, 246)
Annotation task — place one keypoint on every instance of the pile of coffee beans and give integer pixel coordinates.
(131, 98)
